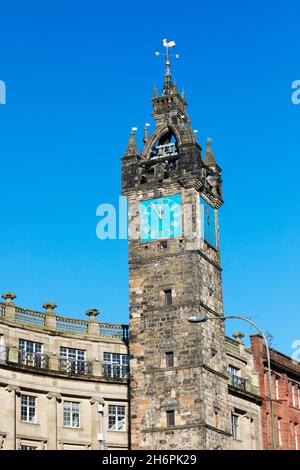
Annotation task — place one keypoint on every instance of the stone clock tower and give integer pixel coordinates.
(178, 387)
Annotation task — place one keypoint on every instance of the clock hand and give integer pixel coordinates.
(154, 208)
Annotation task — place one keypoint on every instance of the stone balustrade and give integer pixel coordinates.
(48, 320)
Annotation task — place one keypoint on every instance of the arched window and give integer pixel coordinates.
(166, 145)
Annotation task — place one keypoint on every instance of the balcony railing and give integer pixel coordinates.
(238, 382)
(73, 366)
(38, 360)
(115, 371)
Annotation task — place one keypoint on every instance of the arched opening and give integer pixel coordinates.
(166, 146)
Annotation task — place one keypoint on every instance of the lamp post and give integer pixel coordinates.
(201, 318)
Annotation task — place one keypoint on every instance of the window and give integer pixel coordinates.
(115, 365)
(30, 346)
(26, 447)
(2, 348)
(170, 359)
(28, 408)
(293, 395)
(277, 388)
(116, 418)
(73, 361)
(235, 426)
(298, 396)
(168, 297)
(233, 370)
(279, 432)
(30, 354)
(296, 436)
(170, 418)
(71, 414)
(73, 354)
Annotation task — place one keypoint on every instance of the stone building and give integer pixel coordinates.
(243, 396)
(179, 379)
(286, 396)
(63, 381)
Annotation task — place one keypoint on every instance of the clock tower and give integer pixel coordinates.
(178, 386)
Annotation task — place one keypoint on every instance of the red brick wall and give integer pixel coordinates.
(283, 405)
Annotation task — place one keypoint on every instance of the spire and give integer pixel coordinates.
(169, 101)
(209, 159)
(168, 85)
(131, 147)
(154, 92)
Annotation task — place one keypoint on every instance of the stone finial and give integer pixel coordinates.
(238, 336)
(93, 324)
(49, 307)
(154, 92)
(9, 297)
(92, 314)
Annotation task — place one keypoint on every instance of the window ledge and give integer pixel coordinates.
(74, 428)
(116, 430)
(29, 422)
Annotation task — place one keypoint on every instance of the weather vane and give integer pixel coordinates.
(167, 55)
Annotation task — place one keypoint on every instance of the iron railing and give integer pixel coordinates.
(238, 382)
(41, 361)
(73, 366)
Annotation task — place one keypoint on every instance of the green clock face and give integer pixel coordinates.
(161, 218)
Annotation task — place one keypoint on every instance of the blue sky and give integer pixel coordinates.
(79, 75)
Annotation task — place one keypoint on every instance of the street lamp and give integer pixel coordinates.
(201, 318)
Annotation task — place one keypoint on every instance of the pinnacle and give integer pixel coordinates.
(209, 158)
(132, 147)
